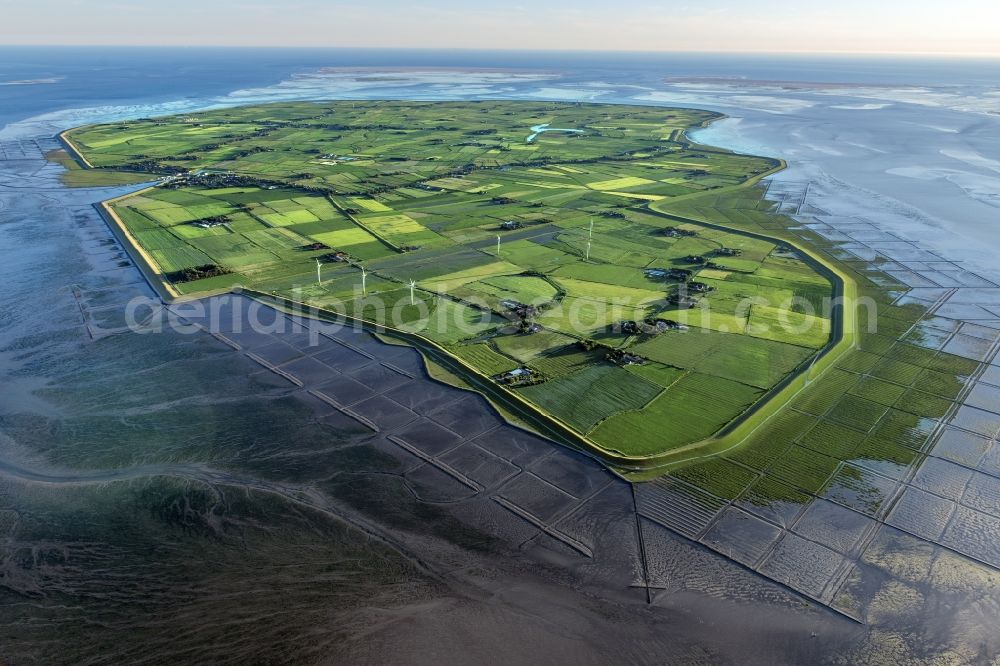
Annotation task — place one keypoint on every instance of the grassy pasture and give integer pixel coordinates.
(609, 390)
(696, 406)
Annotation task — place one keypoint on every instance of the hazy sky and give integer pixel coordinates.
(898, 26)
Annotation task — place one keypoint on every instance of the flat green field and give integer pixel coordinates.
(522, 255)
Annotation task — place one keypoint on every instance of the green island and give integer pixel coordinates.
(569, 261)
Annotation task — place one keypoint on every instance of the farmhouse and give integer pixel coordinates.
(519, 310)
(681, 274)
(628, 327)
(619, 357)
(700, 287)
(656, 325)
(210, 222)
(674, 232)
(517, 377)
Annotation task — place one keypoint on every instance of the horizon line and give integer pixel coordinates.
(897, 54)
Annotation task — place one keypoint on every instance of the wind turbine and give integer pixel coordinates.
(319, 269)
(364, 286)
(412, 285)
(590, 238)
(498, 245)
